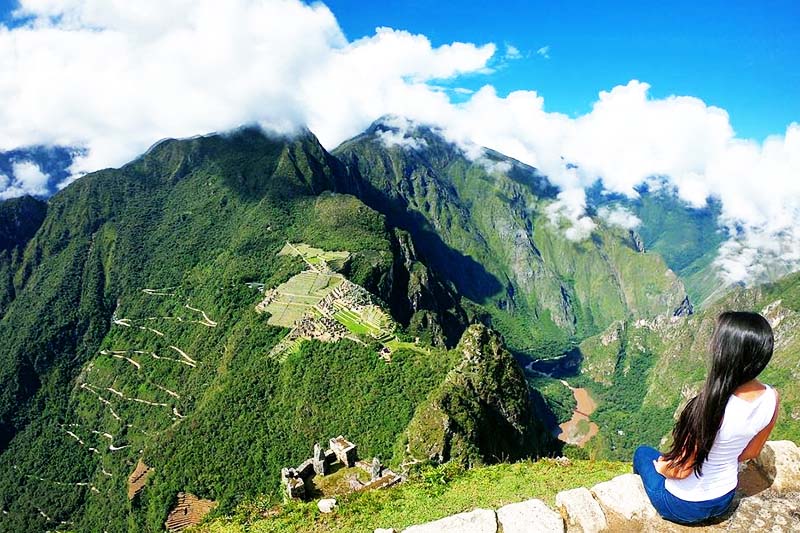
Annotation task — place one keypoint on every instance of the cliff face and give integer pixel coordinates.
(481, 413)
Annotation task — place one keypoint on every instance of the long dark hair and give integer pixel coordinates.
(741, 347)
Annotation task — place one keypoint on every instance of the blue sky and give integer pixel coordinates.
(741, 56)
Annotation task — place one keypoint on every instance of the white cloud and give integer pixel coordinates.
(512, 52)
(568, 212)
(115, 76)
(619, 216)
(400, 133)
(544, 51)
(27, 179)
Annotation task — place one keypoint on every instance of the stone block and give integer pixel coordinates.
(326, 505)
(625, 496)
(780, 462)
(531, 516)
(477, 521)
(581, 510)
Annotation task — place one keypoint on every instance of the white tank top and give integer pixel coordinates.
(742, 420)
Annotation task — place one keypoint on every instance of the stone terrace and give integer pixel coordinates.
(768, 500)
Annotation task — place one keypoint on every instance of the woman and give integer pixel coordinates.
(727, 423)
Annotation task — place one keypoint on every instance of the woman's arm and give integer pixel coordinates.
(753, 448)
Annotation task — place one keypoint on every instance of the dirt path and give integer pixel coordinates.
(579, 429)
(206, 321)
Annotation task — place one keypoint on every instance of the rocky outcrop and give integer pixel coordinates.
(768, 499)
(481, 412)
(636, 241)
(684, 309)
(780, 463)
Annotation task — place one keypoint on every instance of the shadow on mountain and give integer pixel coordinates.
(566, 365)
(469, 276)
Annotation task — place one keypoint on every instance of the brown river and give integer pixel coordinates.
(579, 429)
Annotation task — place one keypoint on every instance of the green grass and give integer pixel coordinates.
(433, 494)
(396, 344)
(352, 322)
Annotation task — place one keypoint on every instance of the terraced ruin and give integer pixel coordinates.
(320, 303)
(189, 510)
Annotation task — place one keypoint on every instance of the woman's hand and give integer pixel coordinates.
(666, 469)
(661, 466)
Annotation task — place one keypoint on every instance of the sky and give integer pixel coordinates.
(741, 56)
(701, 97)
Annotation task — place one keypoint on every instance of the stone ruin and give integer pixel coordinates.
(341, 450)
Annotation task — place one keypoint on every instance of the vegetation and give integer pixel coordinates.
(183, 374)
(432, 493)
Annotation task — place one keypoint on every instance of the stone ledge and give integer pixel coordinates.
(621, 504)
(477, 521)
(531, 516)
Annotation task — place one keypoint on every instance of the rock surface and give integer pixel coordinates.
(625, 496)
(582, 511)
(477, 521)
(531, 516)
(780, 463)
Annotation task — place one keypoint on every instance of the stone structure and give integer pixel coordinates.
(768, 499)
(376, 470)
(189, 510)
(318, 460)
(293, 483)
(293, 480)
(345, 451)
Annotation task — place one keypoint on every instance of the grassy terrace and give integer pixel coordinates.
(432, 494)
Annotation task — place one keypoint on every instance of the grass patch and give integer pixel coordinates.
(434, 494)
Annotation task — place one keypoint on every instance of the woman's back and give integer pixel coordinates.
(743, 419)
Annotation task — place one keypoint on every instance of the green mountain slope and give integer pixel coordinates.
(134, 334)
(687, 238)
(644, 371)
(20, 218)
(483, 225)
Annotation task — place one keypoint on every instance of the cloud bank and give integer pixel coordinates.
(113, 77)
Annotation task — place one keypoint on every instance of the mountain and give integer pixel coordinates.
(642, 372)
(687, 238)
(197, 319)
(483, 224)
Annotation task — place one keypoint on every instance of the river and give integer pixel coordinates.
(579, 429)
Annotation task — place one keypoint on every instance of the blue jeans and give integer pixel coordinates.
(669, 506)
